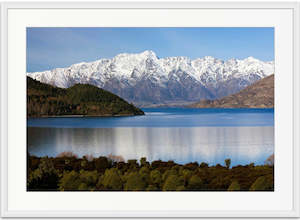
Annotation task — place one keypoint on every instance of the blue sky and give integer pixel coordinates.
(49, 48)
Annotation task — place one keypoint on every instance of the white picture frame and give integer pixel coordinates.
(9, 193)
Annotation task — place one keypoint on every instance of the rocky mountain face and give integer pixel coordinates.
(258, 95)
(146, 79)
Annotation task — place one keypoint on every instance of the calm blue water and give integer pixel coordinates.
(182, 135)
(167, 117)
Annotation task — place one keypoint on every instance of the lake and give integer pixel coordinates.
(180, 134)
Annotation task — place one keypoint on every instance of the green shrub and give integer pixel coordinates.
(82, 186)
(45, 177)
(186, 174)
(134, 182)
(263, 183)
(111, 180)
(83, 180)
(89, 178)
(220, 183)
(234, 186)
(155, 177)
(195, 183)
(145, 174)
(167, 173)
(69, 181)
(173, 182)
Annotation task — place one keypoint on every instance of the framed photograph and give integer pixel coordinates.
(150, 109)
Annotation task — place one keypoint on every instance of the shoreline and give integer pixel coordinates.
(81, 116)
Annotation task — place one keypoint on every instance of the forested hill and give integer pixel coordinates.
(80, 99)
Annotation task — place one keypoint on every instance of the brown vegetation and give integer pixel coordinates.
(257, 95)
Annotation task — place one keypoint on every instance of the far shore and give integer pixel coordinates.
(81, 116)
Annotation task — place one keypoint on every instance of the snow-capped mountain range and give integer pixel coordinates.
(144, 78)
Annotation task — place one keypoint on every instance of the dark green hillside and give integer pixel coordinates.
(81, 99)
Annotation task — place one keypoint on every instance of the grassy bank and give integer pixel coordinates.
(67, 172)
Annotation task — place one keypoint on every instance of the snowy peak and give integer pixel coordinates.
(161, 79)
(149, 54)
(251, 59)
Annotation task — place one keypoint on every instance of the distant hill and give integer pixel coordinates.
(80, 99)
(257, 95)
